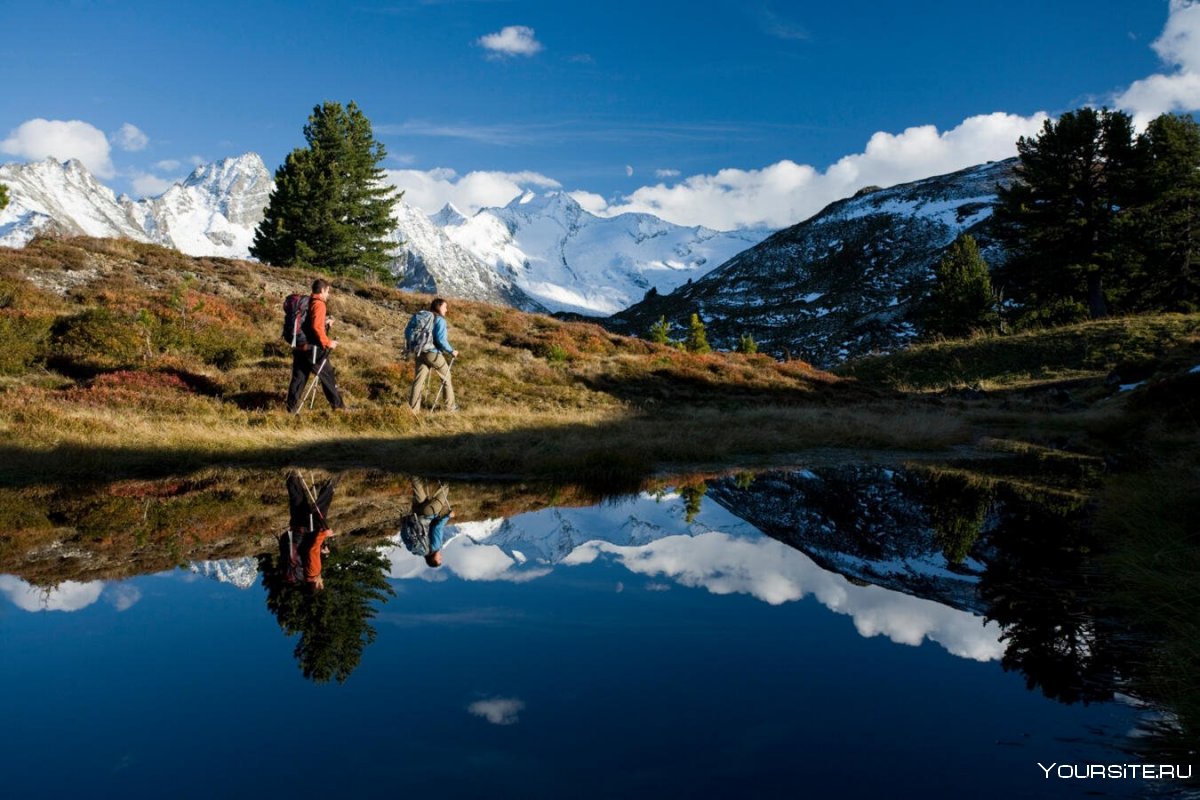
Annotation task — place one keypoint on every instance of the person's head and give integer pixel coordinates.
(439, 306)
(321, 287)
(434, 559)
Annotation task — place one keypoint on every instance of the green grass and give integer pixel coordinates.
(1084, 350)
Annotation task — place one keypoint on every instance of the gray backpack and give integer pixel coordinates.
(414, 532)
(418, 334)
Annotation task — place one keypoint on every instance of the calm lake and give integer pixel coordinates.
(840, 632)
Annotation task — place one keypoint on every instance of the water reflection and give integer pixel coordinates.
(326, 596)
(989, 569)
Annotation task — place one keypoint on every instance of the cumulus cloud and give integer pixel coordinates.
(785, 193)
(430, 190)
(36, 139)
(498, 710)
(513, 40)
(1179, 48)
(146, 185)
(130, 138)
(123, 597)
(66, 596)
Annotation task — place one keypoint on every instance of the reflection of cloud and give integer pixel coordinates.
(122, 596)
(476, 616)
(66, 596)
(498, 710)
(775, 574)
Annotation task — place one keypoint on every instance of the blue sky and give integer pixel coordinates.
(722, 113)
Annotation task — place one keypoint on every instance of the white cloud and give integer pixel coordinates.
(146, 185)
(666, 173)
(590, 201)
(1179, 48)
(66, 596)
(123, 596)
(430, 190)
(498, 710)
(36, 139)
(197, 161)
(130, 138)
(513, 40)
(167, 165)
(785, 193)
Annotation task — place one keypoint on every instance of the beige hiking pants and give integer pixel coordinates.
(427, 362)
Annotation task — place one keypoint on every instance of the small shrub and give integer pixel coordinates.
(101, 338)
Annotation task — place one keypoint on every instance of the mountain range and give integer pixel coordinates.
(539, 253)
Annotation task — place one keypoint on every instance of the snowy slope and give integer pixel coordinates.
(570, 260)
(428, 261)
(62, 197)
(214, 211)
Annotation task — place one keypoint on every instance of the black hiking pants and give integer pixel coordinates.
(305, 363)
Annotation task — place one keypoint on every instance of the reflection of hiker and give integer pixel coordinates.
(425, 338)
(311, 355)
(424, 528)
(302, 545)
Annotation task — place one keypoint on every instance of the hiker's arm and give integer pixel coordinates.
(437, 531)
(439, 336)
(318, 326)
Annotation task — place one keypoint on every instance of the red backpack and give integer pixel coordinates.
(295, 313)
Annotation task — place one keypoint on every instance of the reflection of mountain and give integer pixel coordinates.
(870, 524)
(241, 572)
(717, 551)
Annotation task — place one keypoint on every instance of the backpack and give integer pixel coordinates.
(414, 532)
(291, 567)
(418, 334)
(295, 314)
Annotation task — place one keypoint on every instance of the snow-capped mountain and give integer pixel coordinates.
(568, 259)
(64, 198)
(211, 213)
(214, 211)
(428, 261)
(843, 283)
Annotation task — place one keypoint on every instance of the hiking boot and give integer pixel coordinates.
(452, 409)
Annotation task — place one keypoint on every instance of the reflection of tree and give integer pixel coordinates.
(1039, 586)
(692, 494)
(334, 624)
(957, 507)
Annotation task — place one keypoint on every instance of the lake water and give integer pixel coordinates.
(813, 634)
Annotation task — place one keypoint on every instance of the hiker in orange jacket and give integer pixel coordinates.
(313, 356)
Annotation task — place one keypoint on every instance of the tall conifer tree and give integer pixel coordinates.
(1164, 225)
(1059, 216)
(3, 196)
(331, 208)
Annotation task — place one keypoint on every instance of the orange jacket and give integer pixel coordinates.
(316, 322)
(312, 559)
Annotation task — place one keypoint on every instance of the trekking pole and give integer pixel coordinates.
(442, 388)
(310, 392)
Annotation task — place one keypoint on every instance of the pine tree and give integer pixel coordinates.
(1059, 216)
(1164, 227)
(962, 300)
(747, 345)
(3, 196)
(697, 339)
(331, 208)
(660, 332)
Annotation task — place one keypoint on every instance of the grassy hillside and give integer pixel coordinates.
(131, 359)
(1136, 347)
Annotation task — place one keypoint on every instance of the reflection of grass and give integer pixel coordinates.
(1149, 524)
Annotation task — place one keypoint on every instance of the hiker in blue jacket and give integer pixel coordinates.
(432, 354)
(423, 530)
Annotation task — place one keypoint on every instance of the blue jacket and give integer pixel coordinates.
(437, 532)
(440, 342)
